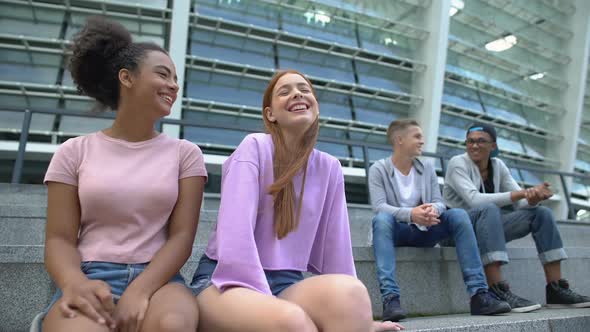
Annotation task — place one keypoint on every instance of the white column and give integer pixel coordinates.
(572, 98)
(179, 28)
(429, 84)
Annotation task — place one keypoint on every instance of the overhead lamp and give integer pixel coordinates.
(389, 40)
(317, 16)
(502, 44)
(537, 76)
(456, 6)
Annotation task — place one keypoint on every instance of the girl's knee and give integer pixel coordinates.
(291, 318)
(176, 322)
(350, 298)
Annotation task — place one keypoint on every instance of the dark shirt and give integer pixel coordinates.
(489, 181)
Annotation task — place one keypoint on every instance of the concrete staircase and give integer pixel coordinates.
(430, 278)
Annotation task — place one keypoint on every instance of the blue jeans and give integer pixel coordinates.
(454, 223)
(117, 276)
(494, 229)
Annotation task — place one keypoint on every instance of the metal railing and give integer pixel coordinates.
(365, 146)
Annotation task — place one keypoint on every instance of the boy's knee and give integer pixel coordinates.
(459, 216)
(383, 222)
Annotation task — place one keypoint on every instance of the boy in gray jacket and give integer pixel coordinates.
(482, 184)
(410, 212)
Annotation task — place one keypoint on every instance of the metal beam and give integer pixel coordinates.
(179, 29)
(429, 84)
(572, 98)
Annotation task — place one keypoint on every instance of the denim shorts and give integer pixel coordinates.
(116, 275)
(277, 280)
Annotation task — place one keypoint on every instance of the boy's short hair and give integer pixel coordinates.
(399, 125)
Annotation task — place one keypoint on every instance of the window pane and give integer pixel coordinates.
(248, 12)
(13, 121)
(318, 24)
(579, 189)
(376, 111)
(219, 136)
(381, 42)
(530, 178)
(142, 31)
(225, 88)
(377, 154)
(73, 125)
(231, 48)
(324, 66)
(32, 67)
(381, 77)
(30, 21)
(516, 174)
(334, 105)
(583, 165)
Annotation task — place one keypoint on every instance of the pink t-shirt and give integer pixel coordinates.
(127, 191)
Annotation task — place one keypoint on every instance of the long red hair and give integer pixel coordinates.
(287, 163)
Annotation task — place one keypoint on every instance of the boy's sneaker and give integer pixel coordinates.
(559, 295)
(517, 303)
(487, 303)
(392, 309)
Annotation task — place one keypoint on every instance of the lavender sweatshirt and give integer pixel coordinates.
(244, 241)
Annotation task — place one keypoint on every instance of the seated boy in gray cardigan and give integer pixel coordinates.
(482, 184)
(406, 198)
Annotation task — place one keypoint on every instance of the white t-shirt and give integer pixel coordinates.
(408, 189)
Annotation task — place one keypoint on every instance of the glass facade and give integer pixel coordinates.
(362, 56)
(501, 87)
(361, 68)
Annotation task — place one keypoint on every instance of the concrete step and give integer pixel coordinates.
(544, 320)
(24, 224)
(430, 279)
(31, 231)
(30, 201)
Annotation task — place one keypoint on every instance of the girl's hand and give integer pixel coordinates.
(386, 326)
(92, 298)
(130, 311)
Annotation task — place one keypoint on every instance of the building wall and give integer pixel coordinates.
(370, 61)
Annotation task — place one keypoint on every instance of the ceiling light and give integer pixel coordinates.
(388, 40)
(537, 76)
(318, 16)
(502, 44)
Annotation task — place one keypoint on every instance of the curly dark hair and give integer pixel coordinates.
(100, 50)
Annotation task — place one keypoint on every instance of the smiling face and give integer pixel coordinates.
(154, 87)
(293, 105)
(409, 141)
(479, 145)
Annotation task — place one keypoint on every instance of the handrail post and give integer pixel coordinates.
(568, 201)
(443, 166)
(22, 145)
(366, 163)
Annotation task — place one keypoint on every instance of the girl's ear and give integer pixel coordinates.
(269, 116)
(125, 77)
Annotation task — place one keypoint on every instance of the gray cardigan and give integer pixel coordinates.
(463, 181)
(385, 194)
